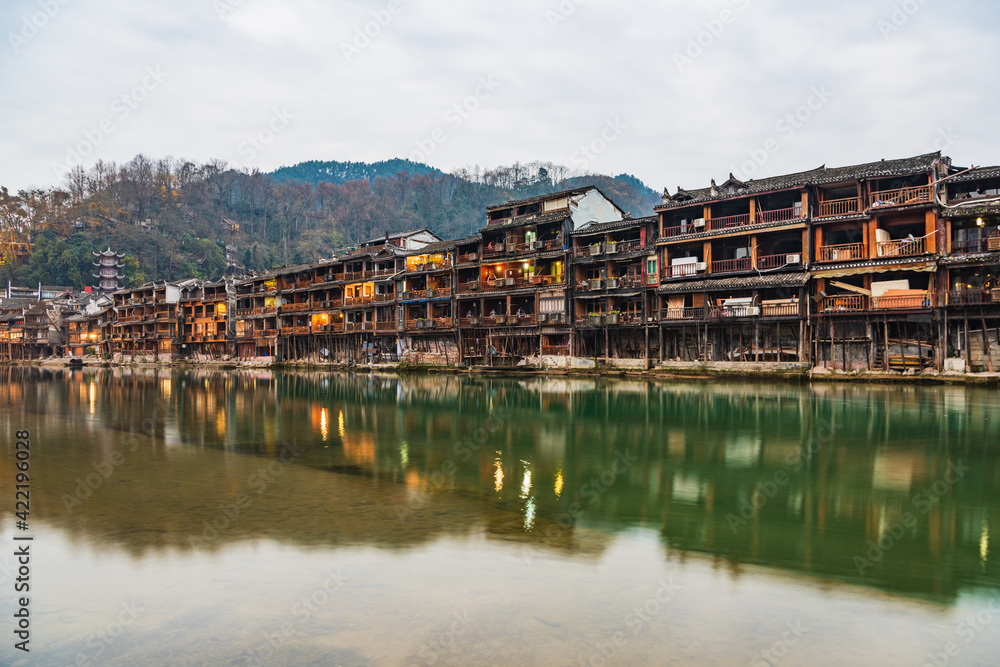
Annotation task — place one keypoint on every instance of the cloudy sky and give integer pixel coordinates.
(673, 92)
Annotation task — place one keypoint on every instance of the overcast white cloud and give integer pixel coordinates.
(695, 90)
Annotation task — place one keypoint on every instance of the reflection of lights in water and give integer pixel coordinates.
(526, 483)
(165, 387)
(498, 474)
(340, 424)
(404, 454)
(93, 397)
(984, 543)
(559, 483)
(220, 423)
(324, 424)
(529, 513)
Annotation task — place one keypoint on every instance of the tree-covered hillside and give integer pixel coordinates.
(174, 219)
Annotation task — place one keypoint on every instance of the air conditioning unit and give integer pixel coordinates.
(509, 282)
(793, 259)
(611, 247)
(473, 256)
(430, 294)
(596, 249)
(543, 318)
(473, 320)
(698, 222)
(511, 247)
(473, 284)
(613, 283)
(407, 296)
(701, 266)
(596, 283)
(538, 245)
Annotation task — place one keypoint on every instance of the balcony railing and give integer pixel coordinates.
(900, 248)
(967, 247)
(355, 326)
(728, 222)
(442, 322)
(358, 300)
(555, 350)
(836, 207)
(438, 292)
(384, 298)
(845, 302)
(841, 253)
(270, 333)
(731, 265)
(294, 307)
(774, 261)
(917, 299)
(969, 297)
(920, 194)
(778, 215)
(389, 325)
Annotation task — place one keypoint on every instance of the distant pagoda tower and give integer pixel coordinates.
(110, 270)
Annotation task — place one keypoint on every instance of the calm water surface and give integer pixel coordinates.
(249, 518)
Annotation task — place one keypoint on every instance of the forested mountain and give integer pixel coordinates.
(174, 219)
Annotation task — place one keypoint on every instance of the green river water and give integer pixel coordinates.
(257, 517)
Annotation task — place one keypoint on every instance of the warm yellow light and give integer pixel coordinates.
(93, 397)
(222, 309)
(324, 424)
(340, 424)
(559, 484)
(527, 266)
(497, 474)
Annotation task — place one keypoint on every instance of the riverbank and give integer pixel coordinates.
(574, 366)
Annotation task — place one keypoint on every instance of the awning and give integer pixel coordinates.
(589, 296)
(928, 267)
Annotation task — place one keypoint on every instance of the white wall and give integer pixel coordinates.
(594, 207)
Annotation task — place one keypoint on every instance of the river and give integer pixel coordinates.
(258, 517)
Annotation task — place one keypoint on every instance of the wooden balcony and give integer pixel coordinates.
(900, 248)
(389, 325)
(358, 300)
(728, 222)
(778, 215)
(295, 307)
(845, 303)
(775, 261)
(970, 297)
(270, 333)
(841, 253)
(468, 287)
(384, 298)
(555, 350)
(442, 322)
(731, 265)
(902, 300)
(920, 194)
(832, 208)
(438, 292)
(354, 327)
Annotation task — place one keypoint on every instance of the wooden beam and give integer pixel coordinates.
(851, 288)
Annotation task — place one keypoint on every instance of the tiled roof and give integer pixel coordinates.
(972, 210)
(599, 227)
(536, 219)
(541, 198)
(819, 176)
(977, 174)
(797, 279)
